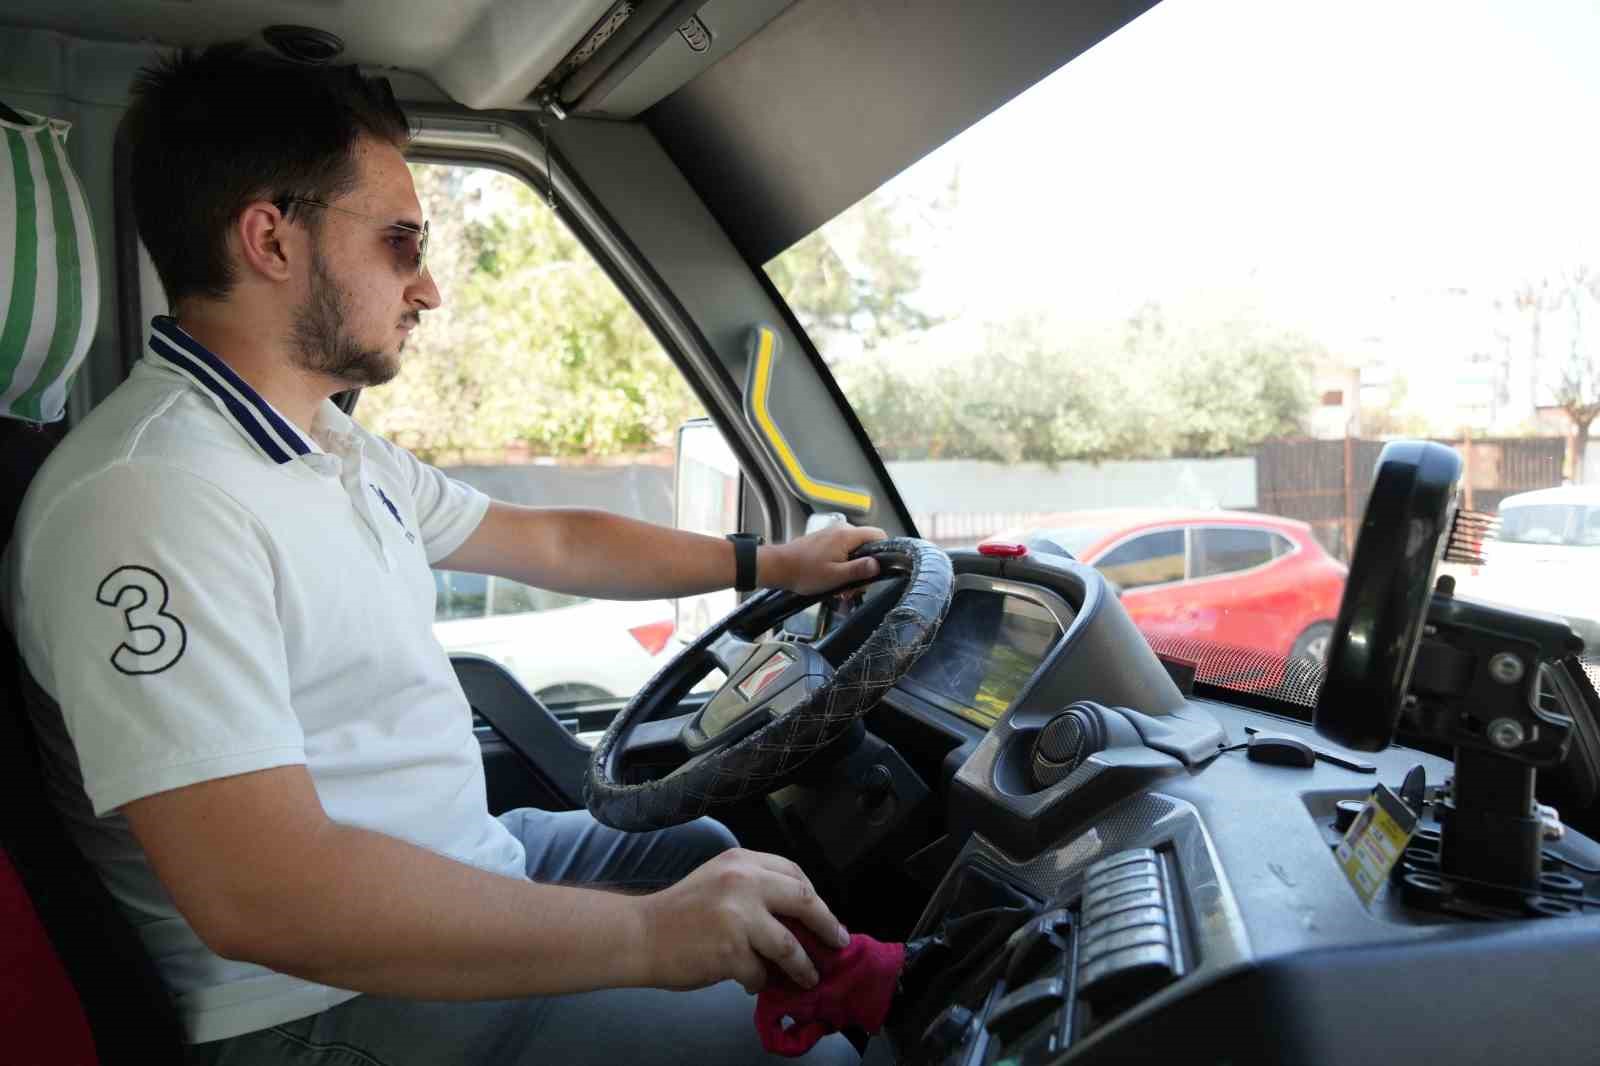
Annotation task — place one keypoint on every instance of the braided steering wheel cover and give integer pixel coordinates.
(764, 760)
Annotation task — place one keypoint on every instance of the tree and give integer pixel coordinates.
(534, 349)
(872, 301)
(1154, 390)
(1235, 385)
(1025, 397)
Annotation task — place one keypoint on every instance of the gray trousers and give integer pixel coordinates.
(634, 1026)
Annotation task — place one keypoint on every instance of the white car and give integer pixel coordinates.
(1545, 557)
(562, 648)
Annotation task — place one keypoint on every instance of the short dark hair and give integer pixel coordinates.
(213, 130)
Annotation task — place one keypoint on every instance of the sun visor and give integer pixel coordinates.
(834, 97)
(512, 46)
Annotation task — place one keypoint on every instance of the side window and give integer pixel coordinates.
(537, 382)
(1591, 526)
(1223, 550)
(459, 595)
(1536, 524)
(1152, 559)
(513, 597)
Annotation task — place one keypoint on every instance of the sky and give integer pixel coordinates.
(1339, 166)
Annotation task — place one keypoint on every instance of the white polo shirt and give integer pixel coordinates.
(204, 591)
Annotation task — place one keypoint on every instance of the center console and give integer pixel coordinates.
(1112, 920)
(1143, 874)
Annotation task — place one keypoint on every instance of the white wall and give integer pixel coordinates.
(962, 485)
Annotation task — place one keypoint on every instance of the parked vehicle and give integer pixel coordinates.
(1545, 557)
(562, 648)
(1226, 578)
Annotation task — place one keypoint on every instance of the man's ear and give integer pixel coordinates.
(261, 237)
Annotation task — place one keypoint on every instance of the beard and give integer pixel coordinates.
(324, 345)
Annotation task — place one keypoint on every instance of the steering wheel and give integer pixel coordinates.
(782, 701)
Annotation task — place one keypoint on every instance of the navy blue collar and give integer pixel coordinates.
(262, 425)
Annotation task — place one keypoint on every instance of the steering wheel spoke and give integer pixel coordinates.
(730, 652)
(657, 740)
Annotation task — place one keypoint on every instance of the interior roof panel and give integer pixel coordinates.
(834, 97)
(484, 53)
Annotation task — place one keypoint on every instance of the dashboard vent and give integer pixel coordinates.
(1064, 742)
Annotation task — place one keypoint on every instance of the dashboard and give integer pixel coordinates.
(993, 640)
(1133, 878)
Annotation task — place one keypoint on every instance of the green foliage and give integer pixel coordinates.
(1236, 387)
(1153, 391)
(870, 301)
(533, 348)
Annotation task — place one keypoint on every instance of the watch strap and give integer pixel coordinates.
(744, 560)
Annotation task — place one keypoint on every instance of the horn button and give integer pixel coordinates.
(776, 678)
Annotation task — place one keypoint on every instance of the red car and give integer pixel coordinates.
(1207, 579)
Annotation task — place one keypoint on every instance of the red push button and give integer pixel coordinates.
(1003, 550)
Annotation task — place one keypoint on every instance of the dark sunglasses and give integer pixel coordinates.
(409, 242)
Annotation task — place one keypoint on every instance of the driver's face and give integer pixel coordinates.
(364, 293)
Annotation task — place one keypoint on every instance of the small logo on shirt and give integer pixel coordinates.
(394, 511)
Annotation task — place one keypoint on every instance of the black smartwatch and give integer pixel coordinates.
(744, 560)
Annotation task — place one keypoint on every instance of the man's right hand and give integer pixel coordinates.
(721, 922)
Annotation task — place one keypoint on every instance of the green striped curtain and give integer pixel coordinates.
(49, 285)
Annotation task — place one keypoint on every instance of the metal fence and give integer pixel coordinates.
(1325, 482)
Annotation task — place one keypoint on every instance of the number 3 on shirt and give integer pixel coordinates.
(156, 638)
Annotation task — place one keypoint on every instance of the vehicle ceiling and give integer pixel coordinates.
(795, 110)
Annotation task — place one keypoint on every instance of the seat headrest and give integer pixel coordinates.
(49, 276)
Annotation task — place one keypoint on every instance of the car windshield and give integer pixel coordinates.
(1211, 265)
(1074, 540)
(1551, 524)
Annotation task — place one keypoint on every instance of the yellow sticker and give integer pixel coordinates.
(1375, 841)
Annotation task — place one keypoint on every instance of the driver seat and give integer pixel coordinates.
(76, 985)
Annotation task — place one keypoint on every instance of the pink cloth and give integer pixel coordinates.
(856, 986)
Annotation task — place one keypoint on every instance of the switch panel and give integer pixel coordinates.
(1127, 940)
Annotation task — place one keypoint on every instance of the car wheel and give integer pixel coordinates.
(573, 692)
(1312, 645)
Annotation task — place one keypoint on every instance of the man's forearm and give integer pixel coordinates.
(375, 914)
(596, 553)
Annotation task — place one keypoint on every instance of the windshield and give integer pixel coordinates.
(1551, 524)
(1208, 268)
(1073, 541)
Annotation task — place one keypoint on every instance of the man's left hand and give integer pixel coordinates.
(818, 561)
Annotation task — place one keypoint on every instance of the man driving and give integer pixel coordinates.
(221, 586)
